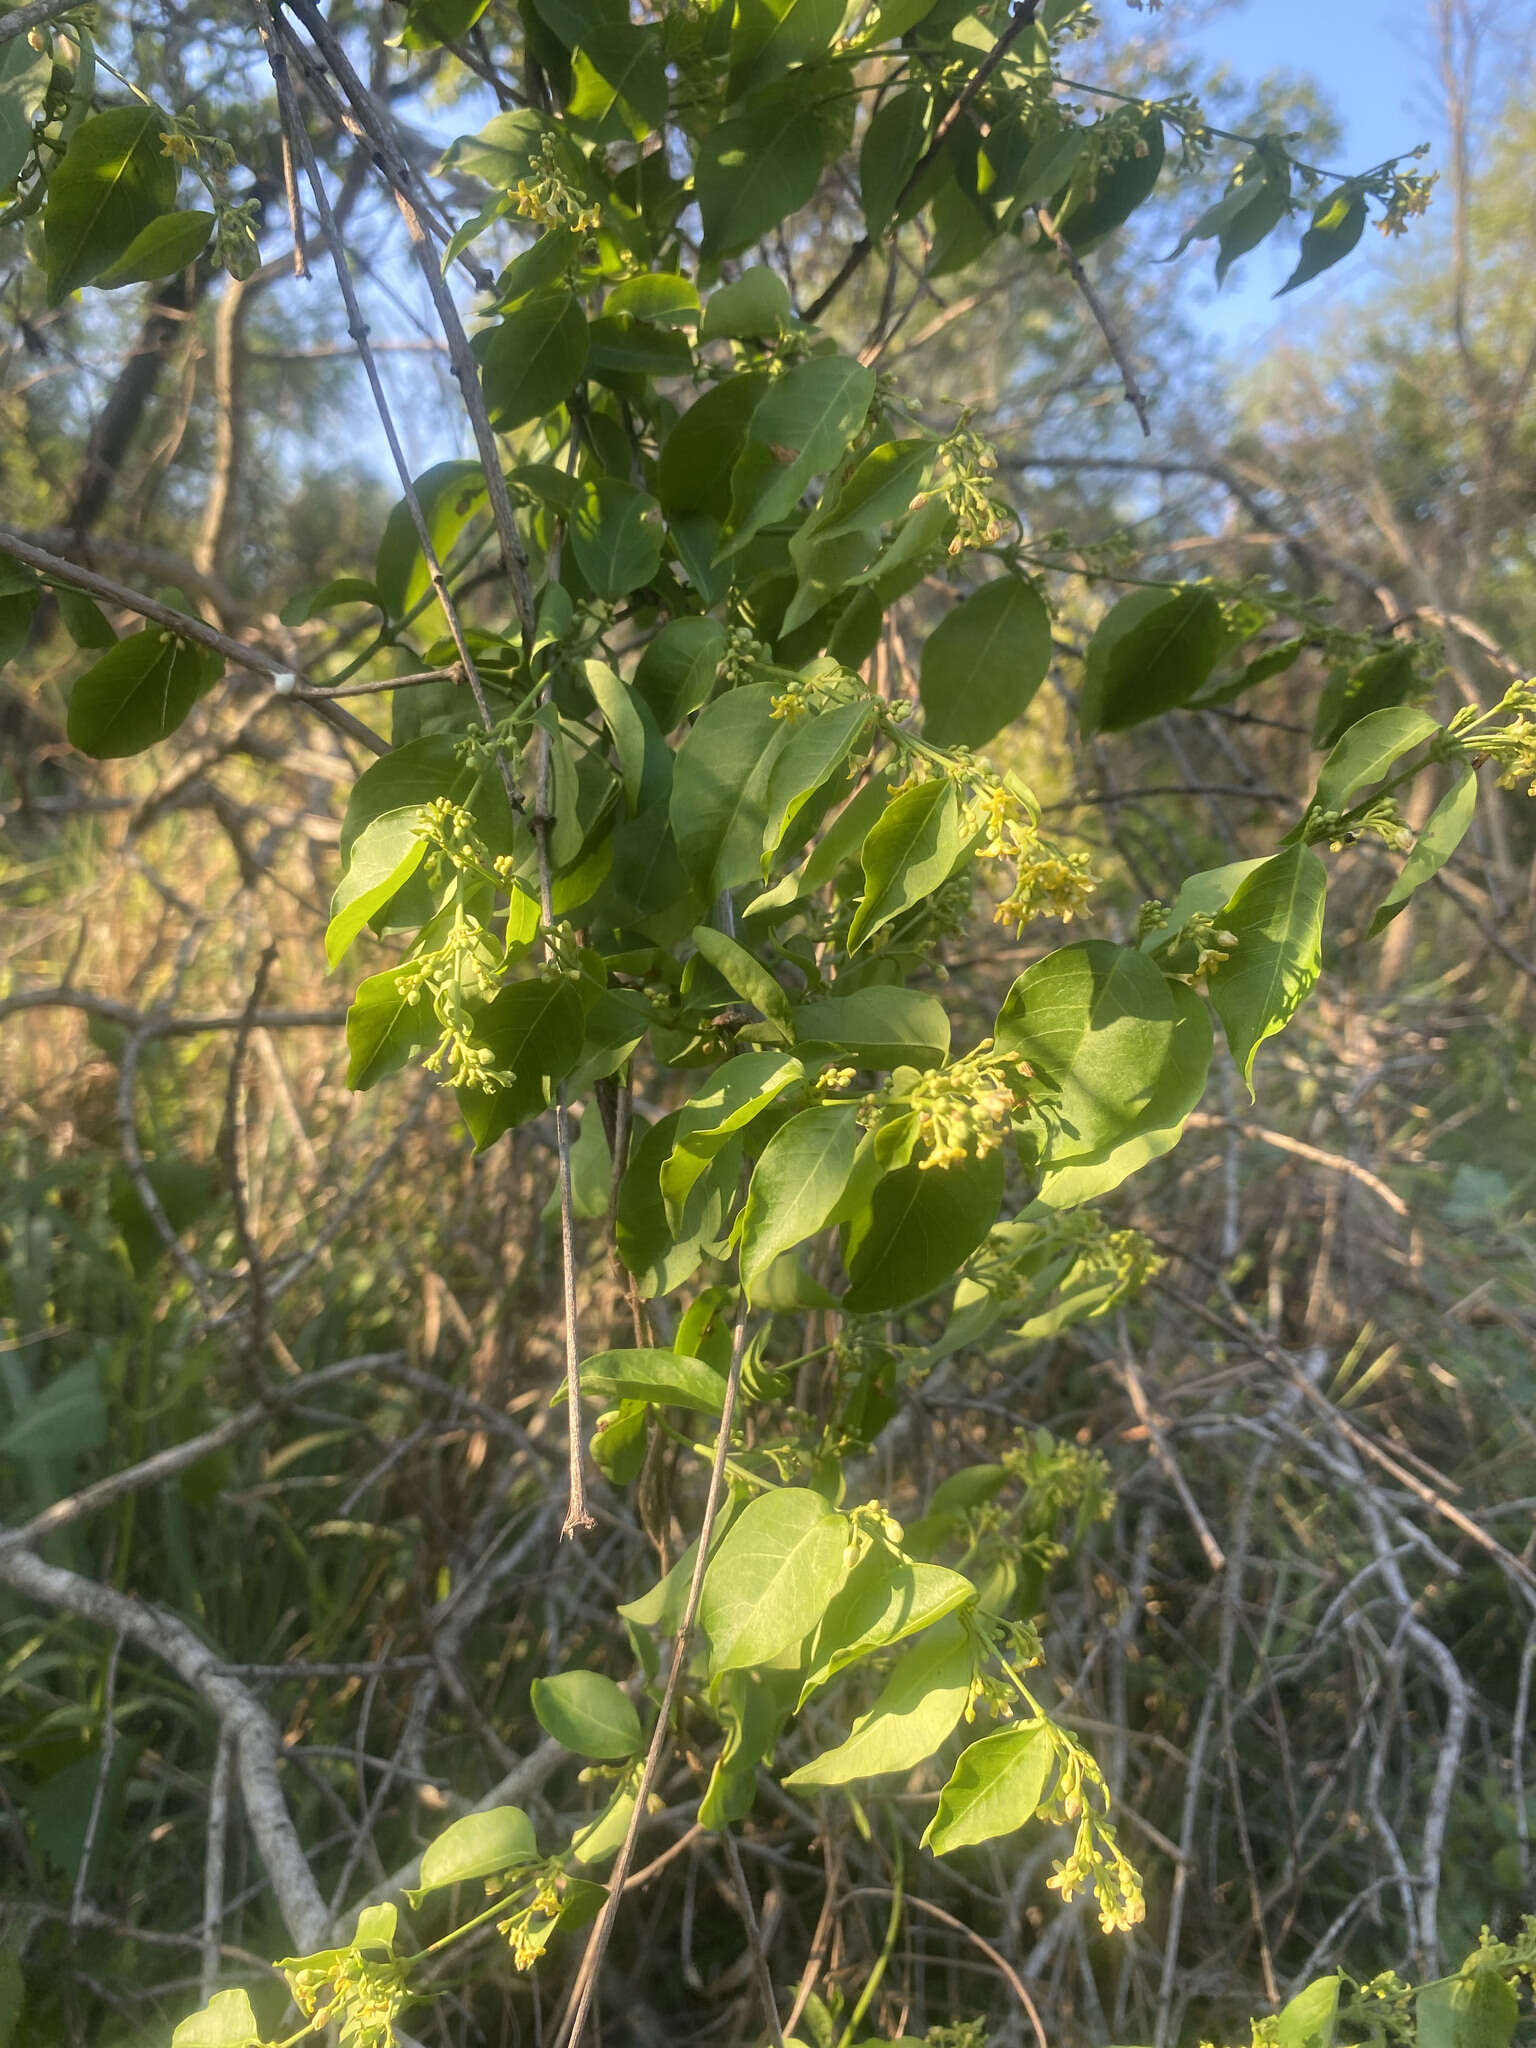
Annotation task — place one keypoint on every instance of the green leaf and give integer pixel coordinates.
(995, 1787)
(737, 1092)
(1484, 2005)
(1379, 683)
(800, 428)
(138, 693)
(376, 1927)
(1444, 830)
(626, 726)
(1074, 1176)
(920, 1225)
(885, 1600)
(1337, 225)
(752, 306)
(620, 349)
(83, 619)
(449, 494)
(478, 1846)
(747, 976)
(697, 457)
(752, 172)
(1276, 915)
(984, 662)
(383, 1029)
(1101, 198)
(16, 610)
(779, 1566)
(660, 296)
(677, 670)
(1367, 751)
(616, 536)
(907, 855)
(752, 1719)
(167, 245)
(893, 143)
(918, 1707)
(621, 63)
(588, 1713)
(1201, 895)
(601, 1841)
(226, 2021)
(798, 1180)
(115, 179)
(533, 358)
(1310, 2019)
(25, 75)
(384, 857)
(1150, 654)
(880, 1027)
(880, 489)
(534, 1030)
(768, 37)
(1097, 1022)
(670, 1379)
(720, 782)
(816, 748)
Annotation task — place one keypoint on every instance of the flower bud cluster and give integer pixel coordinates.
(1511, 747)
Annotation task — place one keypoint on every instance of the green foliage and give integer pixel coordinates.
(666, 847)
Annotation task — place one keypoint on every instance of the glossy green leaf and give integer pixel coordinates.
(983, 663)
(670, 1379)
(1367, 750)
(752, 306)
(697, 457)
(799, 429)
(621, 64)
(746, 974)
(779, 1566)
(1151, 654)
(1380, 682)
(1100, 1023)
(720, 783)
(1276, 915)
(601, 1841)
(1485, 2007)
(1444, 830)
(383, 1029)
(1310, 2019)
(1101, 198)
(995, 1787)
(736, 1093)
(879, 1027)
(383, 859)
(167, 245)
(532, 359)
(449, 494)
(879, 489)
(616, 535)
(755, 170)
(885, 1600)
(480, 1845)
(815, 749)
(908, 854)
(660, 296)
(798, 1179)
(533, 1030)
(226, 2021)
(626, 727)
(139, 692)
(1337, 225)
(115, 179)
(768, 37)
(588, 1713)
(893, 144)
(25, 75)
(678, 669)
(916, 1710)
(752, 1719)
(921, 1223)
(84, 620)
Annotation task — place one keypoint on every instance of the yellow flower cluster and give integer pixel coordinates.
(551, 199)
(965, 1110)
(1049, 881)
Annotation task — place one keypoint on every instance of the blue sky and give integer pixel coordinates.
(1376, 64)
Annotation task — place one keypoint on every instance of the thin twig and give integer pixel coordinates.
(213, 1862)
(103, 1779)
(754, 1939)
(23, 20)
(1136, 398)
(994, 1956)
(585, 1983)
